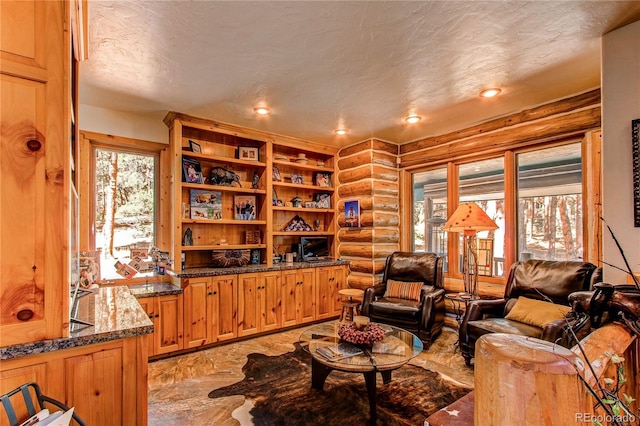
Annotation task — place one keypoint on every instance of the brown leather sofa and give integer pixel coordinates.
(534, 279)
(424, 318)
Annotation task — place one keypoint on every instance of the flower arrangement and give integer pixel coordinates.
(361, 335)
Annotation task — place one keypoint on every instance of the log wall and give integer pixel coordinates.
(368, 173)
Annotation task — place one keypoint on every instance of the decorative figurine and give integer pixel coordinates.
(187, 239)
(255, 180)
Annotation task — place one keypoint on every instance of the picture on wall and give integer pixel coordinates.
(244, 207)
(352, 213)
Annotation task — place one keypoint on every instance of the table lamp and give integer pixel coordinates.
(469, 219)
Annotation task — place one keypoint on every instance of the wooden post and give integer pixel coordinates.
(522, 380)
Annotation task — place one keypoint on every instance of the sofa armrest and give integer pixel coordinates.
(370, 295)
(478, 309)
(432, 306)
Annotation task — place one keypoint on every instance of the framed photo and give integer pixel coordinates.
(323, 201)
(205, 204)
(191, 171)
(309, 205)
(195, 147)
(276, 174)
(352, 213)
(244, 207)
(322, 179)
(297, 179)
(251, 153)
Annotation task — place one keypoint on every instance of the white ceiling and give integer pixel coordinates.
(363, 65)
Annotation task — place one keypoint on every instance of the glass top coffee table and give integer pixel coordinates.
(396, 350)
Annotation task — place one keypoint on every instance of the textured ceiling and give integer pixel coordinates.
(361, 65)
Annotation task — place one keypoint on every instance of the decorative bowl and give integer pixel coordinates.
(367, 335)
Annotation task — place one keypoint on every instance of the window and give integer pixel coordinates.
(550, 203)
(124, 211)
(430, 211)
(482, 182)
(546, 186)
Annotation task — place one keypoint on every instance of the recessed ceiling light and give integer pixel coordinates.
(262, 111)
(340, 132)
(413, 119)
(490, 93)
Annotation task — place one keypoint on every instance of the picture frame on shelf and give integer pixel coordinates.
(244, 207)
(276, 174)
(250, 153)
(191, 171)
(322, 179)
(195, 146)
(309, 205)
(352, 213)
(323, 201)
(205, 204)
(297, 179)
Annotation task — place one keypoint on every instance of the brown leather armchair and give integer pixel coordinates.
(534, 279)
(425, 317)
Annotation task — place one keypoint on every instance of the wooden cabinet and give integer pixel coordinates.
(104, 382)
(260, 182)
(221, 195)
(298, 296)
(225, 302)
(329, 280)
(34, 170)
(167, 316)
(303, 185)
(198, 312)
(259, 302)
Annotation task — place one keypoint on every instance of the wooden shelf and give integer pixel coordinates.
(216, 159)
(225, 222)
(303, 233)
(223, 188)
(295, 165)
(303, 209)
(298, 186)
(224, 247)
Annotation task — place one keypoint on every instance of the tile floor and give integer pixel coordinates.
(178, 386)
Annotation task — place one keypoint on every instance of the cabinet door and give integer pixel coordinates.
(148, 304)
(168, 325)
(270, 301)
(290, 283)
(324, 292)
(198, 312)
(225, 307)
(94, 386)
(306, 295)
(248, 306)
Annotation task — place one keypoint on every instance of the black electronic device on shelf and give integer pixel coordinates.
(314, 249)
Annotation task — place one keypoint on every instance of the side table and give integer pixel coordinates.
(350, 307)
(459, 302)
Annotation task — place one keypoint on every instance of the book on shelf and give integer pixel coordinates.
(205, 204)
(339, 351)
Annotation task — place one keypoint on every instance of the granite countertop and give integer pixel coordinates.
(114, 312)
(153, 289)
(282, 266)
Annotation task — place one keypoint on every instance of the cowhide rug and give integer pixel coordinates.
(280, 389)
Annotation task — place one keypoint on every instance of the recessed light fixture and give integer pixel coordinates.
(262, 111)
(340, 132)
(490, 93)
(413, 119)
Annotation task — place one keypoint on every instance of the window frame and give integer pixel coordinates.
(591, 205)
(89, 143)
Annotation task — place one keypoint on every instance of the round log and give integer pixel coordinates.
(359, 159)
(367, 251)
(368, 235)
(368, 187)
(521, 380)
(373, 266)
(374, 144)
(379, 219)
(376, 203)
(368, 171)
(363, 281)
